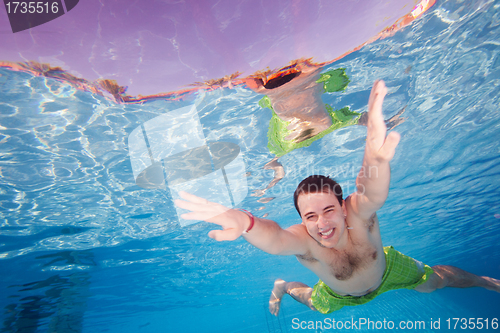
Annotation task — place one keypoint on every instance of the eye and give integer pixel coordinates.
(311, 218)
(329, 212)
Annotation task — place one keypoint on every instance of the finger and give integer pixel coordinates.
(372, 92)
(224, 235)
(190, 205)
(377, 96)
(208, 216)
(193, 198)
(207, 206)
(390, 144)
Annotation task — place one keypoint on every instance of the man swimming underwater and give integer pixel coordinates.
(339, 240)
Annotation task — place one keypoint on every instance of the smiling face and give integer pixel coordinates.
(323, 217)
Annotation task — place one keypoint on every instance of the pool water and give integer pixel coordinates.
(84, 249)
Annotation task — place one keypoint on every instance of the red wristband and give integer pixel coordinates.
(252, 220)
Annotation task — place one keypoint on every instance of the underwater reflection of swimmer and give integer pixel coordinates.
(279, 173)
(300, 117)
(279, 170)
(60, 298)
(390, 123)
(296, 98)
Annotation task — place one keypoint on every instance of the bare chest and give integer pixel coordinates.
(344, 264)
(341, 265)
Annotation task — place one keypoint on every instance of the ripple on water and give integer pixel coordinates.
(64, 157)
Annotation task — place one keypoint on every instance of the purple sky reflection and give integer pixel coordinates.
(161, 46)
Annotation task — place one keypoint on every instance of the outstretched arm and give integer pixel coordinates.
(265, 234)
(372, 183)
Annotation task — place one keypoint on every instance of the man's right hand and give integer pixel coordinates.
(232, 221)
(266, 235)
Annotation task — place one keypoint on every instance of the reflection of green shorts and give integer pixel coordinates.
(401, 272)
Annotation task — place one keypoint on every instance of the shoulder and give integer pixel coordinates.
(358, 222)
(303, 240)
(297, 229)
(300, 231)
(310, 252)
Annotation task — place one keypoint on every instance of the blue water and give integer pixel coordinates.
(83, 249)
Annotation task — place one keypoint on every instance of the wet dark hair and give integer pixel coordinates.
(315, 184)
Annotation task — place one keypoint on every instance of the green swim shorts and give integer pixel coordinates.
(401, 272)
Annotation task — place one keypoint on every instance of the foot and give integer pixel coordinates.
(276, 295)
(492, 284)
(395, 120)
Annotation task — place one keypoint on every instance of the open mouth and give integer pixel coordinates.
(327, 234)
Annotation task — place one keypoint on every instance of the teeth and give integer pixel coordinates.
(327, 233)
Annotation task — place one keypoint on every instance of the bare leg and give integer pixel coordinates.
(390, 123)
(450, 276)
(279, 174)
(299, 291)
